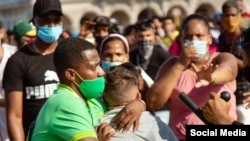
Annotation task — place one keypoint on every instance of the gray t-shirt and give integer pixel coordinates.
(150, 129)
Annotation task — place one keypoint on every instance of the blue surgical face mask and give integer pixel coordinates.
(200, 46)
(107, 64)
(49, 34)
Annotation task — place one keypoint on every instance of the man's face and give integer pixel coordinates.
(101, 31)
(50, 19)
(230, 13)
(90, 65)
(148, 34)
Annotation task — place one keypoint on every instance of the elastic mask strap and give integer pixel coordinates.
(77, 76)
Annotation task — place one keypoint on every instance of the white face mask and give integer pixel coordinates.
(200, 46)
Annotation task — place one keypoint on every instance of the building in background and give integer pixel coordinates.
(126, 12)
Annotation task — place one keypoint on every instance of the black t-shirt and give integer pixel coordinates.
(35, 76)
(243, 85)
(158, 57)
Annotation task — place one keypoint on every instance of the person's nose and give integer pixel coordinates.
(113, 58)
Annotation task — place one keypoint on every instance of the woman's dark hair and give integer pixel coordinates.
(195, 16)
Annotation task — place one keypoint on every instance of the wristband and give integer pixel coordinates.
(144, 104)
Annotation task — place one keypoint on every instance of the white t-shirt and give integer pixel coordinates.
(8, 50)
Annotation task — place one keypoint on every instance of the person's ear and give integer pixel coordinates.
(70, 74)
(138, 95)
(210, 39)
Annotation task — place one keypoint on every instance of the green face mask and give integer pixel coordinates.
(92, 88)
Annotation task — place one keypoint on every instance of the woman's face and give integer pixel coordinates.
(196, 30)
(114, 51)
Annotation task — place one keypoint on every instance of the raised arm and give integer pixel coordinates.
(14, 110)
(227, 65)
(166, 79)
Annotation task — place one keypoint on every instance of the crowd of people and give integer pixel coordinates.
(107, 83)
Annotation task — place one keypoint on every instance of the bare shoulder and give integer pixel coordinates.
(166, 66)
(225, 57)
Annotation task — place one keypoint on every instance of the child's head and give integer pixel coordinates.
(122, 84)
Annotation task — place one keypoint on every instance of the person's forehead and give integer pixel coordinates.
(115, 45)
(90, 56)
(147, 31)
(116, 42)
(195, 25)
(168, 20)
(230, 10)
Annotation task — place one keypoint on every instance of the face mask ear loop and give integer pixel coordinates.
(75, 83)
(84, 98)
(77, 76)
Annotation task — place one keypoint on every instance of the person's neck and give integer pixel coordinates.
(235, 33)
(43, 48)
(76, 90)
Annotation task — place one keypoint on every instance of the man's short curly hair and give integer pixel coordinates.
(68, 54)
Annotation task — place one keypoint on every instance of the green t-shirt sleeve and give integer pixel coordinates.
(72, 121)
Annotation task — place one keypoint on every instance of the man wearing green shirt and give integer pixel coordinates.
(66, 114)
